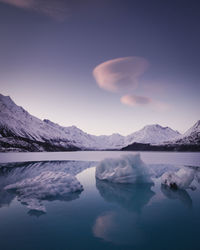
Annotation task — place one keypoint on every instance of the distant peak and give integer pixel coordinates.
(153, 126)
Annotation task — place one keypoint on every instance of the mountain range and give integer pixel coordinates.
(20, 131)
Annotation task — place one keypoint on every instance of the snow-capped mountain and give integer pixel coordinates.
(19, 128)
(87, 141)
(191, 136)
(15, 122)
(18, 123)
(153, 134)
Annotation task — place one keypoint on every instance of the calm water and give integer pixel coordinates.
(103, 215)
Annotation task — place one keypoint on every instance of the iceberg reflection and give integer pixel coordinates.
(36, 182)
(48, 186)
(132, 197)
(5, 198)
(179, 194)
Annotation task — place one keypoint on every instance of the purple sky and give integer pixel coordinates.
(103, 65)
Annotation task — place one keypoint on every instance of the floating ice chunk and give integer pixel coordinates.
(47, 185)
(126, 169)
(180, 179)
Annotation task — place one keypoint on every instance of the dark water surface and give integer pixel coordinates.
(102, 216)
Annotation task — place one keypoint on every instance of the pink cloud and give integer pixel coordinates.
(134, 100)
(120, 74)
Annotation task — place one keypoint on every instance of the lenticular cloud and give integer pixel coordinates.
(120, 74)
(133, 100)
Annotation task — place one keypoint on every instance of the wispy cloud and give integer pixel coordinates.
(120, 74)
(57, 10)
(134, 100)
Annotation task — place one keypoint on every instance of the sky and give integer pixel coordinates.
(105, 66)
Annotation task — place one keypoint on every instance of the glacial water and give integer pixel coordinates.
(102, 216)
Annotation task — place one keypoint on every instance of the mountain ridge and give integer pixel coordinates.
(18, 124)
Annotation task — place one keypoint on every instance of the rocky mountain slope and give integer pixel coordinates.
(191, 136)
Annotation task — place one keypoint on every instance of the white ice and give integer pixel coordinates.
(181, 179)
(126, 169)
(47, 185)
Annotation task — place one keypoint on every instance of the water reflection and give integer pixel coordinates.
(24, 173)
(132, 197)
(123, 224)
(119, 228)
(13, 172)
(5, 198)
(35, 213)
(122, 227)
(178, 194)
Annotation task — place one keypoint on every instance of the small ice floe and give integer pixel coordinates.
(181, 179)
(126, 169)
(46, 186)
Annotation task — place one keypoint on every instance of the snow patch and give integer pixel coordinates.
(126, 169)
(47, 185)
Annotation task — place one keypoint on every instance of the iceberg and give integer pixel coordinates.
(126, 169)
(178, 180)
(46, 186)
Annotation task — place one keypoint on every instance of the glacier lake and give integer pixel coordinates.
(36, 212)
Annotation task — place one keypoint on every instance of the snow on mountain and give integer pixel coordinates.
(191, 136)
(15, 122)
(153, 134)
(87, 141)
